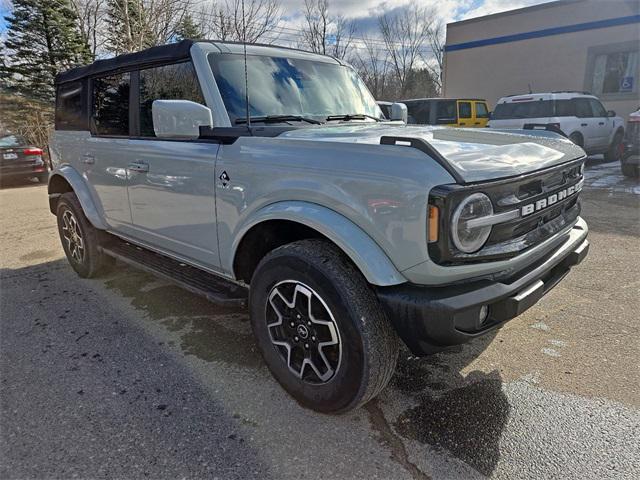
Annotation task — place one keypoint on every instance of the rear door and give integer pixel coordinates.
(172, 182)
(465, 114)
(106, 152)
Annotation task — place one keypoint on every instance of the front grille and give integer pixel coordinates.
(513, 237)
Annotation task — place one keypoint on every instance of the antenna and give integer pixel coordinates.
(529, 85)
(246, 74)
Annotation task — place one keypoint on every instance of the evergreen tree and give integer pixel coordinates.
(125, 27)
(42, 40)
(188, 29)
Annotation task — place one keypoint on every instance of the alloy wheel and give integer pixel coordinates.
(304, 331)
(73, 236)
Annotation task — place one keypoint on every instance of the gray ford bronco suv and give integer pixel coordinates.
(342, 232)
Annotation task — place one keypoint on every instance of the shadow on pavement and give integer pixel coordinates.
(464, 415)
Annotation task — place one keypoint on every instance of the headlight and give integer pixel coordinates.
(466, 238)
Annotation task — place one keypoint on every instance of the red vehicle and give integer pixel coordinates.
(19, 159)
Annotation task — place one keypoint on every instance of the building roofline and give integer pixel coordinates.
(541, 6)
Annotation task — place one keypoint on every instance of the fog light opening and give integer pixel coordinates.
(483, 315)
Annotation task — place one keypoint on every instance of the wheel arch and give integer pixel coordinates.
(66, 179)
(285, 222)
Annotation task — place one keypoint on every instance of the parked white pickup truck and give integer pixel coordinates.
(579, 115)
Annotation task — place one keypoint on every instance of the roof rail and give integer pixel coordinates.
(573, 91)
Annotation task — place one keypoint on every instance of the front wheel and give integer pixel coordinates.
(320, 327)
(80, 239)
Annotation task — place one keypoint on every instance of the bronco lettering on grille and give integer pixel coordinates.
(550, 200)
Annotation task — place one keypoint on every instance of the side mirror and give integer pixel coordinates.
(399, 112)
(179, 118)
(611, 113)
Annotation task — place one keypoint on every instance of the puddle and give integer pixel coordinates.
(466, 421)
(206, 331)
(464, 415)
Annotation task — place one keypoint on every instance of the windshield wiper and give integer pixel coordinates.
(279, 118)
(352, 116)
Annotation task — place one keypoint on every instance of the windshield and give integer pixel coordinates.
(290, 86)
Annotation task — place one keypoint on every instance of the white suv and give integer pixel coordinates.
(579, 115)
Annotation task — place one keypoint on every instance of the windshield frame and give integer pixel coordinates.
(214, 60)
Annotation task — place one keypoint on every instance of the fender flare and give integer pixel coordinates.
(80, 188)
(365, 253)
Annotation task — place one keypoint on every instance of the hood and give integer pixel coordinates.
(474, 154)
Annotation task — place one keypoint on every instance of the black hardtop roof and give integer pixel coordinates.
(163, 53)
(172, 52)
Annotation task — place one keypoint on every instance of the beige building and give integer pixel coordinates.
(585, 45)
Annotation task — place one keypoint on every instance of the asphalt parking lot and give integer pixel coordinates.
(129, 377)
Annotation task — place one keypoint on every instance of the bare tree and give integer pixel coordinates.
(227, 21)
(372, 64)
(405, 35)
(434, 61)
(91, 15)
(325, 33)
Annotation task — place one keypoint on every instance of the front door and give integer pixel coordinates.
(481, 116)
(172, 197)
(172, 182)
(465, 115)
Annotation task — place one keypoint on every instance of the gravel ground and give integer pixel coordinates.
(129, 377)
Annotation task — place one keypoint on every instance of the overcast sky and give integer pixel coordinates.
(363, 11)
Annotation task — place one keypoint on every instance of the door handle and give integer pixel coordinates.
(477, 123)
(88, 159)
(139, 167)
(600, 123)
(583, 124)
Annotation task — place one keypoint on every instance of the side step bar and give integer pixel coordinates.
(212, 287)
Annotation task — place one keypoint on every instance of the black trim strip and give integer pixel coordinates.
(425, 147)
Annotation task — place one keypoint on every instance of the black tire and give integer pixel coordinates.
(87, 261)
(360, 365)
(615, 151)
(631, 171)
(577, 138)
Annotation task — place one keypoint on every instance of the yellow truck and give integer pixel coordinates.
(453, 112)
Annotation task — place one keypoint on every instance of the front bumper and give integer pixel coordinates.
(431, 319)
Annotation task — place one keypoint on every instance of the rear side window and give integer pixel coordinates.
(464, 109)
(110, 110)
(446, 112)
(481, 110)
(419, 112)
(168, 82)
(535, 109)
(70, 107)
(565, 108)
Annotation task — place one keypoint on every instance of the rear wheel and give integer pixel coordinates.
(80, 239)
(320, 327)
(615, 149)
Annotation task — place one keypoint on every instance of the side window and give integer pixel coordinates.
(565, 108)
(419, 112)
(168, 82)
(481, 110)
(110, 110)
(597, 108)
(446, 112)
(464, 109)
(583, 107)
(70, 107)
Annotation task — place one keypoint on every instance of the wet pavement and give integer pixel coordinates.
(128, 376)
